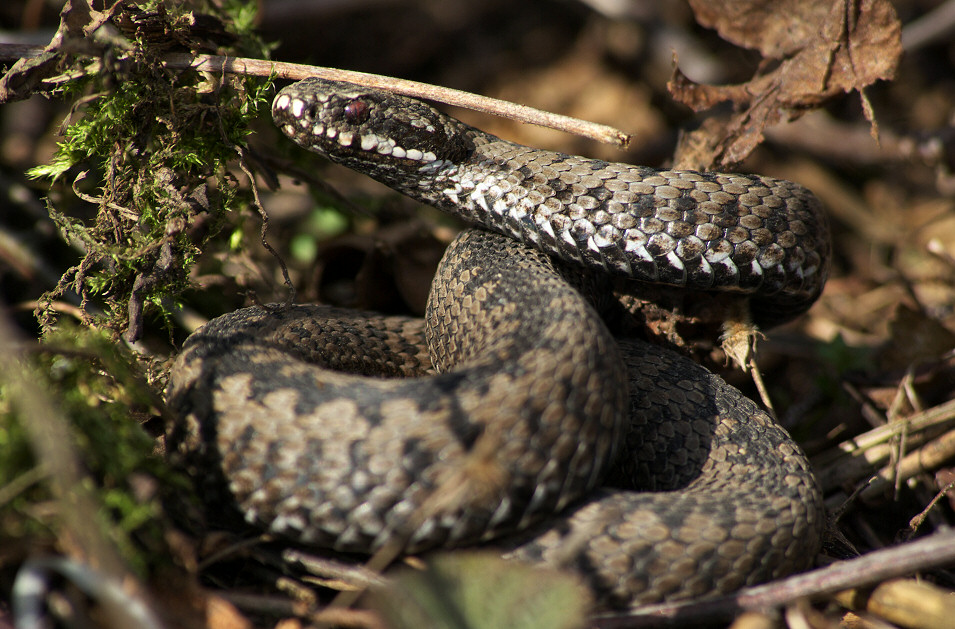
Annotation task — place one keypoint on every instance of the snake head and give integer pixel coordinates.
(368, 129)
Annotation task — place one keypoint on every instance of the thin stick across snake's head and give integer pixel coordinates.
(369, 129)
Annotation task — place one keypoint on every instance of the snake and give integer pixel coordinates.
(510, 416)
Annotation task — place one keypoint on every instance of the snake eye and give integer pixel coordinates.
(356, 112)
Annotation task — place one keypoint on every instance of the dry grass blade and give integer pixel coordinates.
(927, 458)
(860, 456)
(335, 574)
(52, 444)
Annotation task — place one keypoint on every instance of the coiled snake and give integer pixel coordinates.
(506, 407)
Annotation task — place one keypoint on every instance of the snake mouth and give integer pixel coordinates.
(307, 129)
(348, 123)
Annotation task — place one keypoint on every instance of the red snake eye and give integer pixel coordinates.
(356, 112)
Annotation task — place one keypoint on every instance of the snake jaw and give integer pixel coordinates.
(357, 127)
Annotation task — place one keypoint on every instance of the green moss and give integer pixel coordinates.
(149, 151)
(141, 182)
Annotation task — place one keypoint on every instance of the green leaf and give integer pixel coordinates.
(480, 590)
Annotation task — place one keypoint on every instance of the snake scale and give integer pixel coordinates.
(500, 416)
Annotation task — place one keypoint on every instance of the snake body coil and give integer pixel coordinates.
(509, 403)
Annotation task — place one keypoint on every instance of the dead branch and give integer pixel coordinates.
(296, 71)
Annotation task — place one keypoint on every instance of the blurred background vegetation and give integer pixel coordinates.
(127, 218)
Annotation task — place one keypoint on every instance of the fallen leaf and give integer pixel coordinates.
(78, 21)
(777, 28)
(477, 590)
(823, 49)
(914, 337)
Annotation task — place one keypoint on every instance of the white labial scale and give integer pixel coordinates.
(369, 142)
(430, 168)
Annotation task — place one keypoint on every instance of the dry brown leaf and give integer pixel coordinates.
(914, 337)
(78, 22)
(777, 28)
(825, 48)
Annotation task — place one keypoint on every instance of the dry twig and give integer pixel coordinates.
(295, 71)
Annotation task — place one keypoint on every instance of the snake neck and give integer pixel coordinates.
(752, 235)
